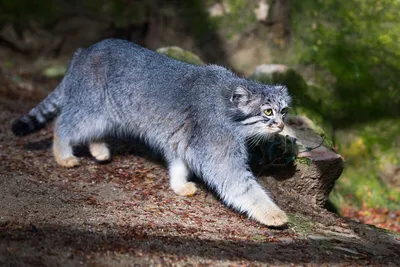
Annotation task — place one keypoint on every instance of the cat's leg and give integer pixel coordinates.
(179, 173)
(99, 151)
(239, 189)
(62, 151)
(62, 142)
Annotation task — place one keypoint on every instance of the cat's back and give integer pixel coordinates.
(131, 75)
(118, 53)
(121, 50)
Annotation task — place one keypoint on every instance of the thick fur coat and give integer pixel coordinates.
(198, 117)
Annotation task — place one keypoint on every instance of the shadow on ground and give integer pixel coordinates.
(137, 243)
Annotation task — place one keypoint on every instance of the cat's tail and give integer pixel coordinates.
(47, 110)
(37, 118)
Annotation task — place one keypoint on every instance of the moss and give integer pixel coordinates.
(181, 55)
(300, 225)
(304, 161)
(55, 71)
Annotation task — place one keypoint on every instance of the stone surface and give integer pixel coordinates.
(266, 71)
(311, 176)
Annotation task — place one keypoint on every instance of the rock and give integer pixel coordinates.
(54, 71)
(219, 9)
(266, 72)
(297, 166)
(306, 169)
(180, 54)
(261, 11)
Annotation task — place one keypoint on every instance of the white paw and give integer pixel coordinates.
(99, 151)
(273, 217)
(68, 162)
(187, 189)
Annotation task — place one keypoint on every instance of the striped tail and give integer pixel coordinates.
(37, 118)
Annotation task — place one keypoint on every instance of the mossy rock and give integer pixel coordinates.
(180, 54)
(296, 165)
(54, 71)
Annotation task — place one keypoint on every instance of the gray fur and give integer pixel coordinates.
(198, 117)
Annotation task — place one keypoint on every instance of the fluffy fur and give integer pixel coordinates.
(199, 117)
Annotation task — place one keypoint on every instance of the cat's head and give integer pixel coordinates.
(261, 109)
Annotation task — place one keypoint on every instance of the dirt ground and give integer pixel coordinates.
(124, 214)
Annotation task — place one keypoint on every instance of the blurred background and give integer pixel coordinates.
(340, 60)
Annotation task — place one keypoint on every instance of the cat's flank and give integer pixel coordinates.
(199, 117)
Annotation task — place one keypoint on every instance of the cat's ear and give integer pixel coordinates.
(240, 96)
(283, 91)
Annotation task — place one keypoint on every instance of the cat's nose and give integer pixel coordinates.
(281, 125)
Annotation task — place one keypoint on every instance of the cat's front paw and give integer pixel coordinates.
(187, 189)
(273, 217)
(276, 217)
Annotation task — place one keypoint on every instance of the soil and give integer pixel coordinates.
(123, 213)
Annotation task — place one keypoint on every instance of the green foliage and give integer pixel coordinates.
(372, 152)
(304, 161)
(362, 186)
(23, 11)
(196, 18)
(357, 43)
(238, 16)
(354, 48)
(121, 12)
(241, 15)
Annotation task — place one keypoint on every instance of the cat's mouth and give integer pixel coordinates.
(275, 130)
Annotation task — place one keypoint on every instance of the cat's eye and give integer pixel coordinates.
(268, 112)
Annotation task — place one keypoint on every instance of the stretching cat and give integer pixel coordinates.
(199, 117)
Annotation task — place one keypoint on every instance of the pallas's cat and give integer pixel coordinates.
(198, 117)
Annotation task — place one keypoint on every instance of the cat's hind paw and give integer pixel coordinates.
(187, 189)
(68, 162)
(99, 151)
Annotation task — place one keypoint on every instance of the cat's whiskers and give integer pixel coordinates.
(255, 140)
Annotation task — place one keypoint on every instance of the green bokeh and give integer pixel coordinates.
(354, 48)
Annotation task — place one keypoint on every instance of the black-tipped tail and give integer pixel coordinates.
(26, 125)
(37, 118)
